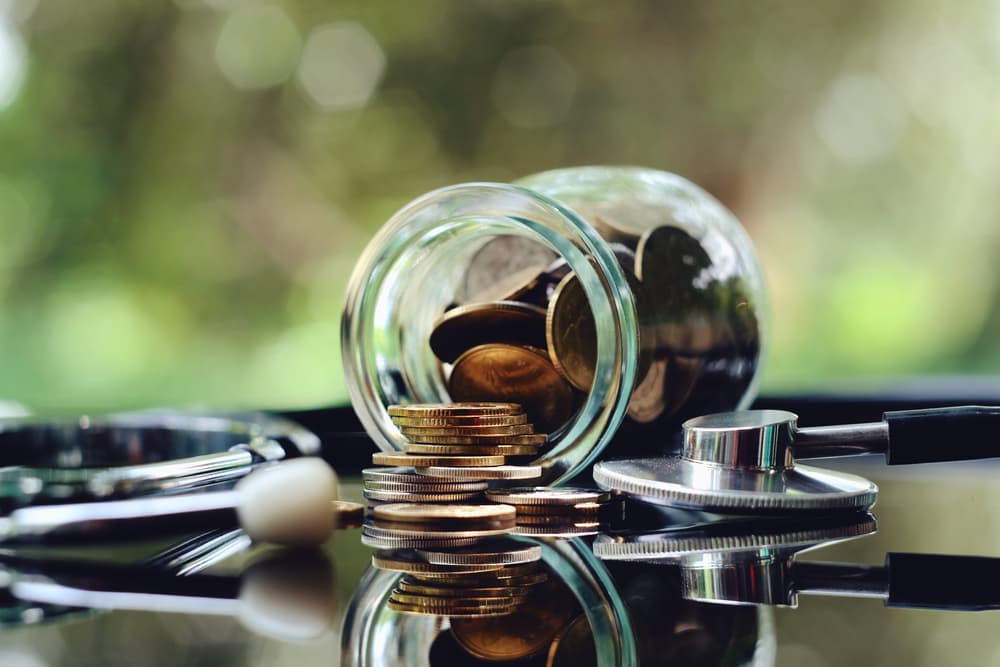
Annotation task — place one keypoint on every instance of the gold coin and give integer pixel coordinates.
(411, 512)
(407, 562)
(400, 459)
(529, 631)
(514, 373)
(493, 578)
(530, 440)
(496, 322)
(581, 510)
(574, 646)
(462, 420)
(348, 514)
(471, 450)
(408, 586)
(558, 521)
(492, 472)
(463, 408)
(416, 432)
(460, 612)
(469, 600)
(421, 496)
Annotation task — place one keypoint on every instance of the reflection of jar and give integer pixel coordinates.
(672, 301)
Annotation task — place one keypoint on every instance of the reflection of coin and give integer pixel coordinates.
(648, 399)
(499, 257)
(491, 472)
(480, 408)
(408, 561)
(414, 433)
(388, 459)
(471, 450)
(529, 440)
(488, 552)
(462, 420)
(497, 322)
(574, 646)
(557, 522)
(529, 631)
(459, 514)
(514, 373)
(413, 531)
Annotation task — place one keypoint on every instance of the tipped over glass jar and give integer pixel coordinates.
(605, 300)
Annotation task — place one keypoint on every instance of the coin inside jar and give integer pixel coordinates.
(496, 322)
(505, 372)
(499, 257)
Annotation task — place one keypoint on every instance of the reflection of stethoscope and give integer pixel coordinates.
(156, 472)
(754, 563)
(744, 462)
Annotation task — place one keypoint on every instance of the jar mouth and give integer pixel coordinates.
(404, 282)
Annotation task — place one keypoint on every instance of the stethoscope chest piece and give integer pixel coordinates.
(737, 463)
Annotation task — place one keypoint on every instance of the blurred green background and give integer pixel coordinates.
(185, 186)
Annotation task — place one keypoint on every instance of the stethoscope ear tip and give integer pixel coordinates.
(290, 502)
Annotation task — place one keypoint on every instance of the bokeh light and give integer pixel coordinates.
(342, 65)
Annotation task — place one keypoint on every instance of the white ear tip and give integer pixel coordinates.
(289, 503)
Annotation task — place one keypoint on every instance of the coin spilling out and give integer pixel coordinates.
(544, 511)
(454, 449)
(465, 327)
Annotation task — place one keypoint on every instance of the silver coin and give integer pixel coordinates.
(377, 542)
(373, 530)
(395, 474)
(414, 497)
(542, 495)
(487, 552)
(553, 531)
(497, 258)
(480, 472)
(420, 484)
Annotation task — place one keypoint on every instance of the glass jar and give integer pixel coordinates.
(654, 303)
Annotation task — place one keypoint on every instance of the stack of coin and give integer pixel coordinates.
(492, 578)
(555, 512)
(404, 485)
(467, 430)
(454, 449)
(417, 525)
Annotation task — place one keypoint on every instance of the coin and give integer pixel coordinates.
(462, 420)
(410, 562)
(571, 333)
(397, 459)
(398, 474)
(420, 484)
(418, 497)
(423, 533)
(498, 257)
(487, 552)
(516, 373)
(495, 322)
(455, 514)
(416, 432)
(453, 602)
(558, 521)
(491, 578)
(581, 510)
(470, 450)
(544, 495)
(348, 514)
(492, 472)
(557, 531)
(381, 542)
(477, 408)
(459, 612)
(530, 440)
(412, 586)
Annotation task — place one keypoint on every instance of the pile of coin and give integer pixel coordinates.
(492, 578)
(556, 512)
(454, 451)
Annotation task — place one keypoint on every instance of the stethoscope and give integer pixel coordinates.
(755, 563)
(162, 473)
(745, 462)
